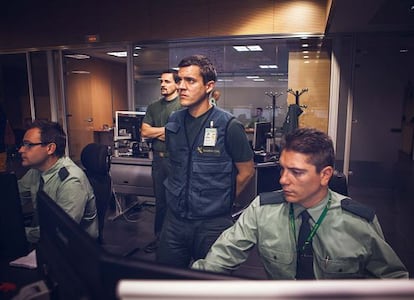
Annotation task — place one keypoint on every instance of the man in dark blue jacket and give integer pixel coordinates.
(211, 162)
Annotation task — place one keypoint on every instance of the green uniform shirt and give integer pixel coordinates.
(73, 193)
(157, 115)
(345, 245)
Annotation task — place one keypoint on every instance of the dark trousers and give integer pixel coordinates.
(183, 240)
(159, 174)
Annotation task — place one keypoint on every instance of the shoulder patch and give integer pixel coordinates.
(358, 209)
(63, 173)
(275, 197)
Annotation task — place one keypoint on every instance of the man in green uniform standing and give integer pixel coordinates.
(153, 124)
(306, 230)
(43, 150)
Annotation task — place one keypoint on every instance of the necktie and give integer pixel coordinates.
(41, 183)
(304, 267)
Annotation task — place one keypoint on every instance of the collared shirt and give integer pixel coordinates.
(315, 212)
(345, 245)
(72, 192)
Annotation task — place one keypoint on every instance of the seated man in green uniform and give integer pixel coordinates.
(343, 239)
(43, 150)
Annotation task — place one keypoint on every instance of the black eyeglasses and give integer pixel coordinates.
(29, 145)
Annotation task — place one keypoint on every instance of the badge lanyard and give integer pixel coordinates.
(314, 228)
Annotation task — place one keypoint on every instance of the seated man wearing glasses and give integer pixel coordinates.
(42, 150)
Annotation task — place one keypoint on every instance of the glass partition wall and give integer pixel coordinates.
(261, 72)
(89, 84)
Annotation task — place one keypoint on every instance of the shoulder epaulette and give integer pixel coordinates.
(358, 209)
(275, 197)
(63, 173)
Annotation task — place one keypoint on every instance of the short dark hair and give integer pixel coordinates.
(173, 72)
(207, 69)
(313, 142)
(51, 132)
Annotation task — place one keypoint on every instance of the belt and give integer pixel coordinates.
(160, 154)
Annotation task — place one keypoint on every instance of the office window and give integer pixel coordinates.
(252, 72)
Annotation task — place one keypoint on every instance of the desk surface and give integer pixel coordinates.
(129, 160)
(17, 276)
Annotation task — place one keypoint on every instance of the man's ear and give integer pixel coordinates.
(51, 148)
(326, 175)
(210, 86)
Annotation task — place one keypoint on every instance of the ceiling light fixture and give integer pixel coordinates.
(118, 53)
(252, 48)
(258, 79)
(268, 66)
(77, 56)
(252, 77)
(305, 45)
(241, 48)
(80, 72)
(255, 48)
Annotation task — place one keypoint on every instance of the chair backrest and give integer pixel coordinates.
(96, 160)
(338, 183)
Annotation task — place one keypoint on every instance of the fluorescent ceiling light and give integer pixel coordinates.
(255, 48)
(258, 79)
(248, 48)
(137, 48)
(268, 66)
(241, 48)
(305, 51)
(252, 77)
(403, 50)
(227, 80)
(305, 45)
(78, 56)
(118, 53)
(80, 72)
(306, 56)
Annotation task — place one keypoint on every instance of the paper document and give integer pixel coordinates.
(28, 261)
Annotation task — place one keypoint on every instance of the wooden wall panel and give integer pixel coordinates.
(108, 84)
(315, 76)
(52, 25)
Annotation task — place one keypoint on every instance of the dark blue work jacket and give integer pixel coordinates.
(202, 180)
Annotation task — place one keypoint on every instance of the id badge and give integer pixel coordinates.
(210, 137)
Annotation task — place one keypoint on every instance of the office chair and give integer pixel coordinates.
(96, 160)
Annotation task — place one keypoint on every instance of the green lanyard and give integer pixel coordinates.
(314, 228)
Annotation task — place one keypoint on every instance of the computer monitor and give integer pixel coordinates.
(13, 243)
(128, 125)
(66, 254)
(261, 132)
(77, 268)
(373, 289)
(116, 268)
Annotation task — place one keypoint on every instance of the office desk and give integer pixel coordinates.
(17, 276)
(131, 175)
